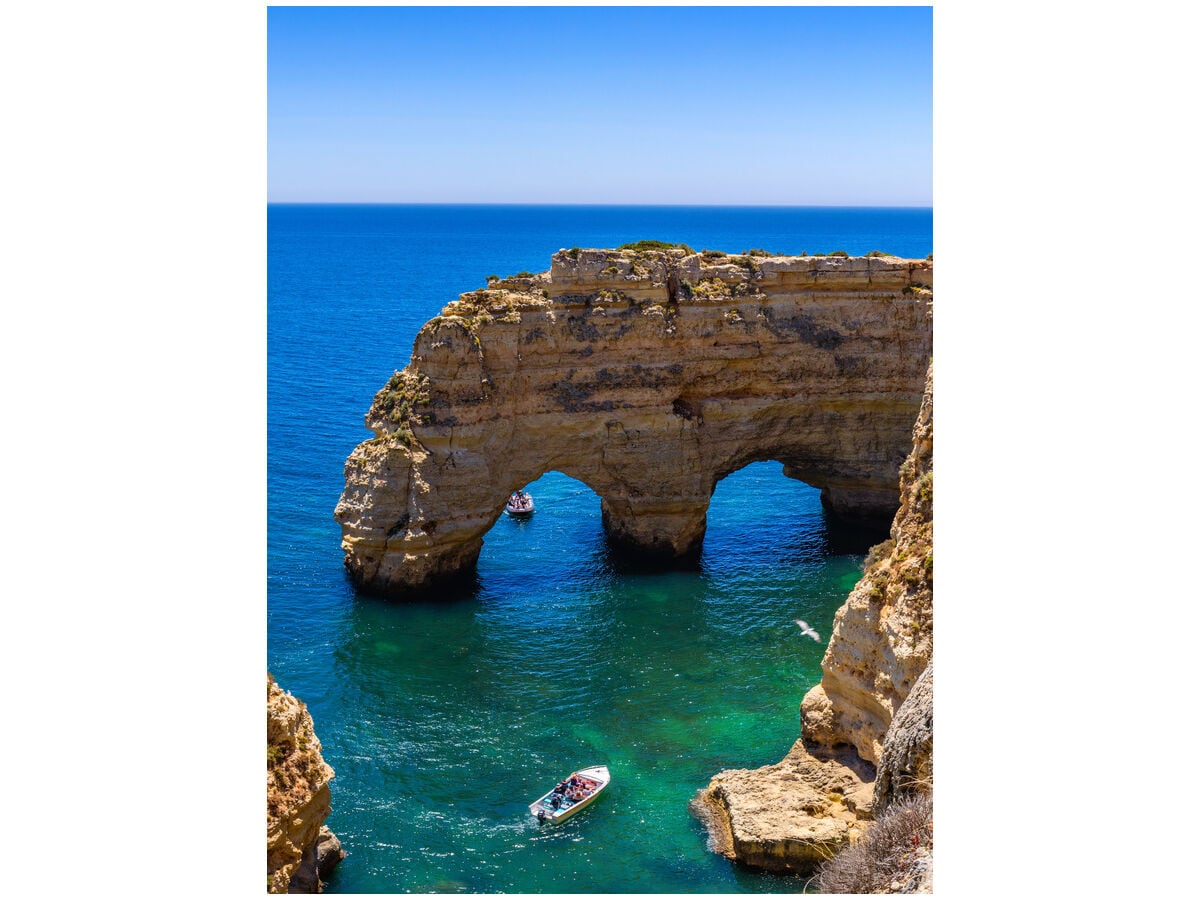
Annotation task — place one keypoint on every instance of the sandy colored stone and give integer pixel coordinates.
(877, 661)
(906, 765)
(298, 798)
(649, 376)
(883, 635)
(790, 816)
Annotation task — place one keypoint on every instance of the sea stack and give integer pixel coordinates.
(649, 373)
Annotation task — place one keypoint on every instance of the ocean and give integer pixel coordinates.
(445, 718)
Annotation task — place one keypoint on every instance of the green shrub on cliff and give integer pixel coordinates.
(397, 402)
(838, 253)
(710, 289)
(878, 552)
(924, 487)
(655, 245)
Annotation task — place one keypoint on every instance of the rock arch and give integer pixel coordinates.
(648, 376)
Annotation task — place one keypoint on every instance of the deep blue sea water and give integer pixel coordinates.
(443, 720)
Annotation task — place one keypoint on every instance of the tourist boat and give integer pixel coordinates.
(519, 505)
(592, 781)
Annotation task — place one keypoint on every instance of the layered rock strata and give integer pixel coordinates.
(649, 376)
(883, 634)
(872, 713)
(301, 851)
(791, 816)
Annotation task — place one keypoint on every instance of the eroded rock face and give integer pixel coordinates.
(300, 849)
(874, 705)
(883, 635)
(649, 376)
(906, 766)
(791, 816)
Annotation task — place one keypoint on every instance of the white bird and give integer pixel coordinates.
(808, 629)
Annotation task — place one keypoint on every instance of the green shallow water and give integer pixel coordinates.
(455, 715)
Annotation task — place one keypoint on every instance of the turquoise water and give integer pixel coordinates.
(444, 719)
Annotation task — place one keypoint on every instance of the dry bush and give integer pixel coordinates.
(896, 848)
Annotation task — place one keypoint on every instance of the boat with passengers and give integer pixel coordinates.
(571, 795)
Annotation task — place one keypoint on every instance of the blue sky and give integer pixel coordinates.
(666, 105)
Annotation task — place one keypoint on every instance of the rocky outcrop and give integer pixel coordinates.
(649, 375)
(883, 635)
(906, 766)
(318, 864)
(301, 851)
(873, 708)
(791, 816)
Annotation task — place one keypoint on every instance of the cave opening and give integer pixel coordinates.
(758, 516)
(563, 532)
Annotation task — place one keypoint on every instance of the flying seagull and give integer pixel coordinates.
(808, 629)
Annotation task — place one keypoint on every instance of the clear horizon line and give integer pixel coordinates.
(646, 205)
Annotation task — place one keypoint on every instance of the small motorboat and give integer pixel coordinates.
(519, 505)
(575, 792)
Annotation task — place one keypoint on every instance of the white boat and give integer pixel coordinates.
(519, 505)
(568, 798)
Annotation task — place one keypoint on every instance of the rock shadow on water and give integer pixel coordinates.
(851, 538)
(464, 585)
(625, 560)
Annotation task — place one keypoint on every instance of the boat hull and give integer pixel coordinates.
(597, 774)
(519, 512)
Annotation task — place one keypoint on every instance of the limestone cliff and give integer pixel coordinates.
(300, 849)
(872, 708)
(883, 634)
(649, 375)
(906, 766)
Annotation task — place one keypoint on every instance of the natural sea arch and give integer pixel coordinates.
(752, 508)
(649, 377)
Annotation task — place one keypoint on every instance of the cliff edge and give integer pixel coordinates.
(867, 728)
(300, 849)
